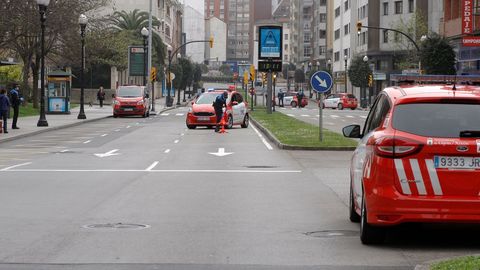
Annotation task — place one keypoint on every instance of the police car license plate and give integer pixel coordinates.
(128, 109)
(444, 162)
(203, 118)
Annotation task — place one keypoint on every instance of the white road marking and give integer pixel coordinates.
(108, 154)
(349, 116)
(176, 141)
(117, 130)
(128, 126)
(15, 166)
(89, 141)
(154, 164)
(183, 134)
(329, 123)
(363, 116)
(155, 171)
(180, 114)
(269, 147)
(291, 115)
(305, 115)
(334, 116)
(104, 135)
(64, 151)
(165, 114)
(167, 151)
(221, 153)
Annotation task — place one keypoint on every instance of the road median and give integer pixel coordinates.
(292, 134)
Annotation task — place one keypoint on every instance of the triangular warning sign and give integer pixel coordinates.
(270, 40)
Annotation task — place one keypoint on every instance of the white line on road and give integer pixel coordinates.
(291, 115)
(104, 135)
(363, 116)
(15, 166)
(154, 171)
(165, 114)
(117, 130)
(128, 126)
(167, 151)
(180, 114)
(350, 116)
(183, 134)
(152, 166)
(89, 141)
(64, 151)
(305, 115)
(176, 141)
(269, 147)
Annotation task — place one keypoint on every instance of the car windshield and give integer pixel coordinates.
(130, 92)
(436, 119)
(207, 98)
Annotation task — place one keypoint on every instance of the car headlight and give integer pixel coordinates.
(141, 102)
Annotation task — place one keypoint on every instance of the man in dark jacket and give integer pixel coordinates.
(218, 104)
(15, 103)
(4, 108)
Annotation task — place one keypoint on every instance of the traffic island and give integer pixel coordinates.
(291, 134)
(464, 263)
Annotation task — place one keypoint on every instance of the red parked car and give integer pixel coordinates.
(131, 100)
(418, 159)
(340, 101)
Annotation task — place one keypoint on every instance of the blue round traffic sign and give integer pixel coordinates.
(321, 81)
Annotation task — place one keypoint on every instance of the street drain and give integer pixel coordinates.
(261, 167)
(117, 226)
(332, 234)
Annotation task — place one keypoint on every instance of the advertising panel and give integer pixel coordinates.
(270, 43)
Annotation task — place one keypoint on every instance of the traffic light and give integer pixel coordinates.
(153, 74)
(264, 77)
(359, 27)
(210, 41)
(252, 73)
(370, 80)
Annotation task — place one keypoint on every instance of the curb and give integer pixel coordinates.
(26, 135)
(427, 265)
(282, 146)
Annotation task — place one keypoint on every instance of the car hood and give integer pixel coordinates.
(202, 108)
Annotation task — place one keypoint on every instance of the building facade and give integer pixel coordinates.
(216, 28)
(194, 29)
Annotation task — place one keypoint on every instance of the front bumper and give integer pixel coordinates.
(193, 120)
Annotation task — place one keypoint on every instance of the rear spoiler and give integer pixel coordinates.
(436, 79)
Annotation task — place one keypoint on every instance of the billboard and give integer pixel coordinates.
(136, 63)
(270, 42)
(467, 17)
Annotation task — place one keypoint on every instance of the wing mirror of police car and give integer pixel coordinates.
(352, 131)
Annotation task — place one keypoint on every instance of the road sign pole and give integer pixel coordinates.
(269, 92)
(320, 117)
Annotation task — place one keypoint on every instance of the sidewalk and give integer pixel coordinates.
(28, 125)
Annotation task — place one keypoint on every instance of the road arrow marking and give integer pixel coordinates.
(221, 153)
(323, 83)
(108, 154)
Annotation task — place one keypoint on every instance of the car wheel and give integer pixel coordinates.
(191, 127)
(340, 106)
(369, 235)
(353, 109)
(246, 121)
(230, 122)
(294, 104)
(115, 116)
(354, 217)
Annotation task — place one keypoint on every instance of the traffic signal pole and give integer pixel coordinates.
(269, 92)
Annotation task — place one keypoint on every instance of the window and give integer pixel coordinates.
(346, 52)
(337, 34)
(322, 50)
(337, 56)
(384, 64)
(411, 6)
(323, 17)
(377, 114)
(323, 2)
(337, 12)
(347, 6)
(346, 29)
(306, 37)
(398, 7)
(385, 8)
(385, 36)
(286, 36)
(322, 33)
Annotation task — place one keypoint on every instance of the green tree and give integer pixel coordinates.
(197, 76)
(289, 67)
(133, 22)
(177, 70)
(437, 56)
(359, 72)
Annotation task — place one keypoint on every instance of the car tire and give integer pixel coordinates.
(246, 121)
(191, 127)
(115, 116)
(354, 217)
(144, 115)
(370, 235)
(340, 106)
(293, 104)
(354, 108)
(230, 122)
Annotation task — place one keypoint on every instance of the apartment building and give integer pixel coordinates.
(194, 29)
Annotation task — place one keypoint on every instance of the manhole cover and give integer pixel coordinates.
(117, 226)
(332, 234)
(261, 167)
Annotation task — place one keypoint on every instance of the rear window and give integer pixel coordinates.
(130, 92)
(437, 120)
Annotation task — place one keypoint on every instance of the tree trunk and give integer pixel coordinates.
(26, 75)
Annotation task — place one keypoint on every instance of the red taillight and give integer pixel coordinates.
(396, 147)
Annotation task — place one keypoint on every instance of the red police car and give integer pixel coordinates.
(418, 159)
(202, 112)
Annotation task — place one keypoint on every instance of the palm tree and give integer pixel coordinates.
(133, 22)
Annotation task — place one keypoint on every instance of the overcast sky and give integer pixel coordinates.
(196, 4)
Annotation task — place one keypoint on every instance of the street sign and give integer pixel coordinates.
(321, 81)
(267, 66)
(136, 64)
(270, 42)
(471, 41)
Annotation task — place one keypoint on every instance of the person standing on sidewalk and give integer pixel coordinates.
(15, 103)
(218, 104)
(101, 96)
(4, 108)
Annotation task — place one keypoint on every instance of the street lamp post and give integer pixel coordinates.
(169, 79)
(346, 79)
(363, 91)
(178, 96)
(144, 33)
(82, 21)
(42, 6)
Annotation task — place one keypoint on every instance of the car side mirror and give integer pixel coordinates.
(352, 131)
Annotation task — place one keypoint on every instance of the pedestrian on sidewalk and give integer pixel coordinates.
(15, 101)
(101, 96)
(4, 108)
(218, 104)
(281, 95)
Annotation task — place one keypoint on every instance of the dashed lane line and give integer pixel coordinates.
(11, 169)
(15, 166)
(86, 142)
(154, 164)
(167, 151)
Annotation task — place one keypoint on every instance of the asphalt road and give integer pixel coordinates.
(130, 193)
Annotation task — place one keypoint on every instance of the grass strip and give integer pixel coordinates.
(26, 110)
(291, 131)
(464, 263)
